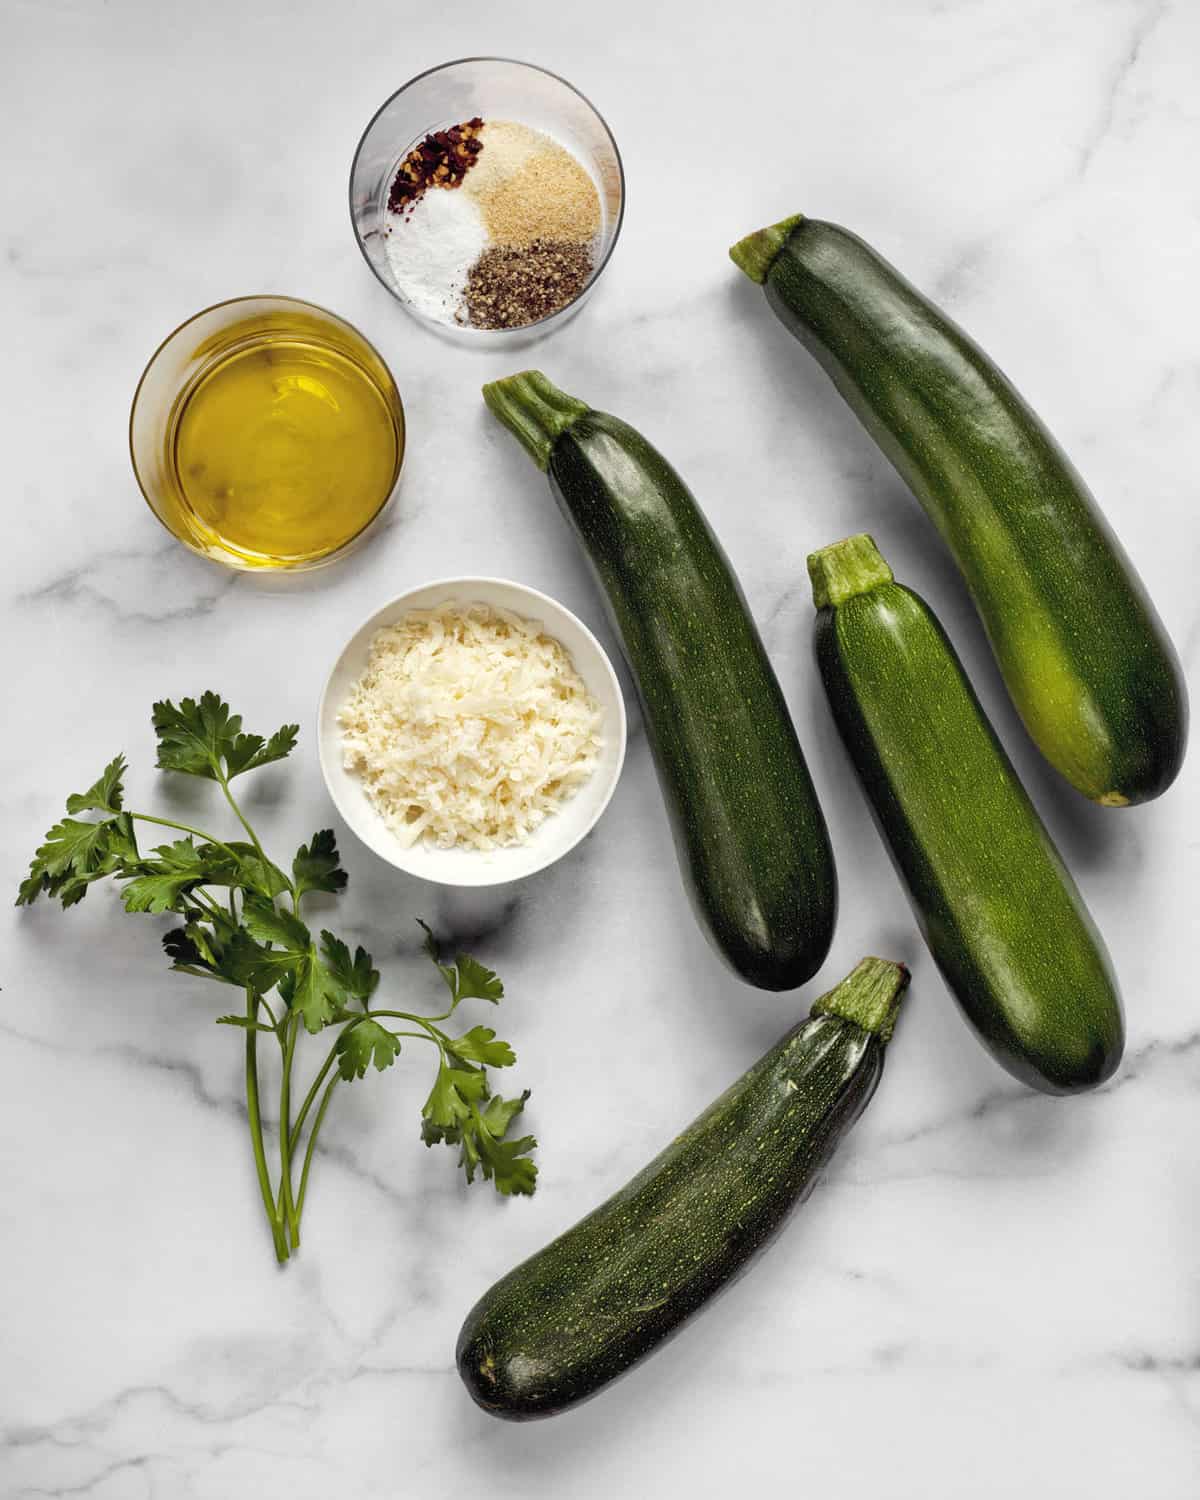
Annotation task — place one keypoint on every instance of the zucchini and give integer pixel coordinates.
(752, 843)
(1082, 652)
(602, 1296)
(994, 902)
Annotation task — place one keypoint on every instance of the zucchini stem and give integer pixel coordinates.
(869, 996)
(853, 566)
(756, 253)
(533, 410)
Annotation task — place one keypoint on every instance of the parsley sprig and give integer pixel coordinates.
(241, 926)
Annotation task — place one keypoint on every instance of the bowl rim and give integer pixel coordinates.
(462, 583)
(526, 329)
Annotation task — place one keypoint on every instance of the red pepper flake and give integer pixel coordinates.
(442, 160)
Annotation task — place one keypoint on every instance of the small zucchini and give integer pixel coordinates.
(994, 902)
(605, 1294)
(751, 840)
(1082, 651)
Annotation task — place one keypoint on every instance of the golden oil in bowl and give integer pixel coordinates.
(267, 433)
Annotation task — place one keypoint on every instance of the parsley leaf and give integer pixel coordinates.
(195, 951)
(476, 982)
(163, 882)
(504, 1163)
(253, 966)
(452, 1116)
(364, 1043)
(310, 989)
(316, 866)
(262, 921)
(500, 1113)
(245, 869)
(454, 1091)
(205, 739)
(249, 751)
(74, 854)
(467, 978)
(431, 948)
(33, 885)
(212, 945)
(194, 737)
(480, 1045)
(120, 843)
(313, 992)
(104, 795)
(357, 976)
(71, 845)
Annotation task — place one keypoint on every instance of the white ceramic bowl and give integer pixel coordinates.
(558, 834)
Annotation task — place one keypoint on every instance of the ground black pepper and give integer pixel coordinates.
(512, 286)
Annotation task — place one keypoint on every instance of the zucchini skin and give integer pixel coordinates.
(602, 1296)
(994, 902)
(749, 832)
(751, 840)
(1083, 653)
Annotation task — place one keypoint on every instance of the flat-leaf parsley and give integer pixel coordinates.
(241, 926)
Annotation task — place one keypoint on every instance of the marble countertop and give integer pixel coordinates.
(993, 1293)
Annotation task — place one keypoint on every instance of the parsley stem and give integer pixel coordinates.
(253, 837)
(323, 1071)
(432, 1032)
(256, 1133)
(312, 1093)
(288, 1210)
(428, 1032)
(185, 828)
(198, 894)
(312, 1141)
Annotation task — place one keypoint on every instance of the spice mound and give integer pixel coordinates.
(469, 727)
(492, 224)
(441, 160)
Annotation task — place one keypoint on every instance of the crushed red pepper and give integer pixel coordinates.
(442, 159)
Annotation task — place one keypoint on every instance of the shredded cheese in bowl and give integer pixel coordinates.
(469, 727)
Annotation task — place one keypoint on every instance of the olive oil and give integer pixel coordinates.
(283, 450)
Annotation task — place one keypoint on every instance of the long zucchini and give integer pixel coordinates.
(751, 840)
(609, 1291)
(1082, 651)
(997, 907)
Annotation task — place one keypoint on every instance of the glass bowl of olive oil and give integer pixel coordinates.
(267, 433)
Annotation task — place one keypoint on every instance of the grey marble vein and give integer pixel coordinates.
(1148, 19)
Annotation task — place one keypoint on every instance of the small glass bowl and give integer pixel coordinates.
(178, 366)
(496, 88)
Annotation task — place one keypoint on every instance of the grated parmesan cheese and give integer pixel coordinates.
(470, 726)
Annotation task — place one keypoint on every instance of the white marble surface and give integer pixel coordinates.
(995, 1294)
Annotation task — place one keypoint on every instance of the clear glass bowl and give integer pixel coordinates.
(495, 88)
(179, 365)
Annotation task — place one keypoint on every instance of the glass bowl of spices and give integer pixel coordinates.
(487, 196)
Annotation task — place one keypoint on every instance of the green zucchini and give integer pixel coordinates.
(749, 833)
(602, 1296)
(997, 907)
(1083, 653)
